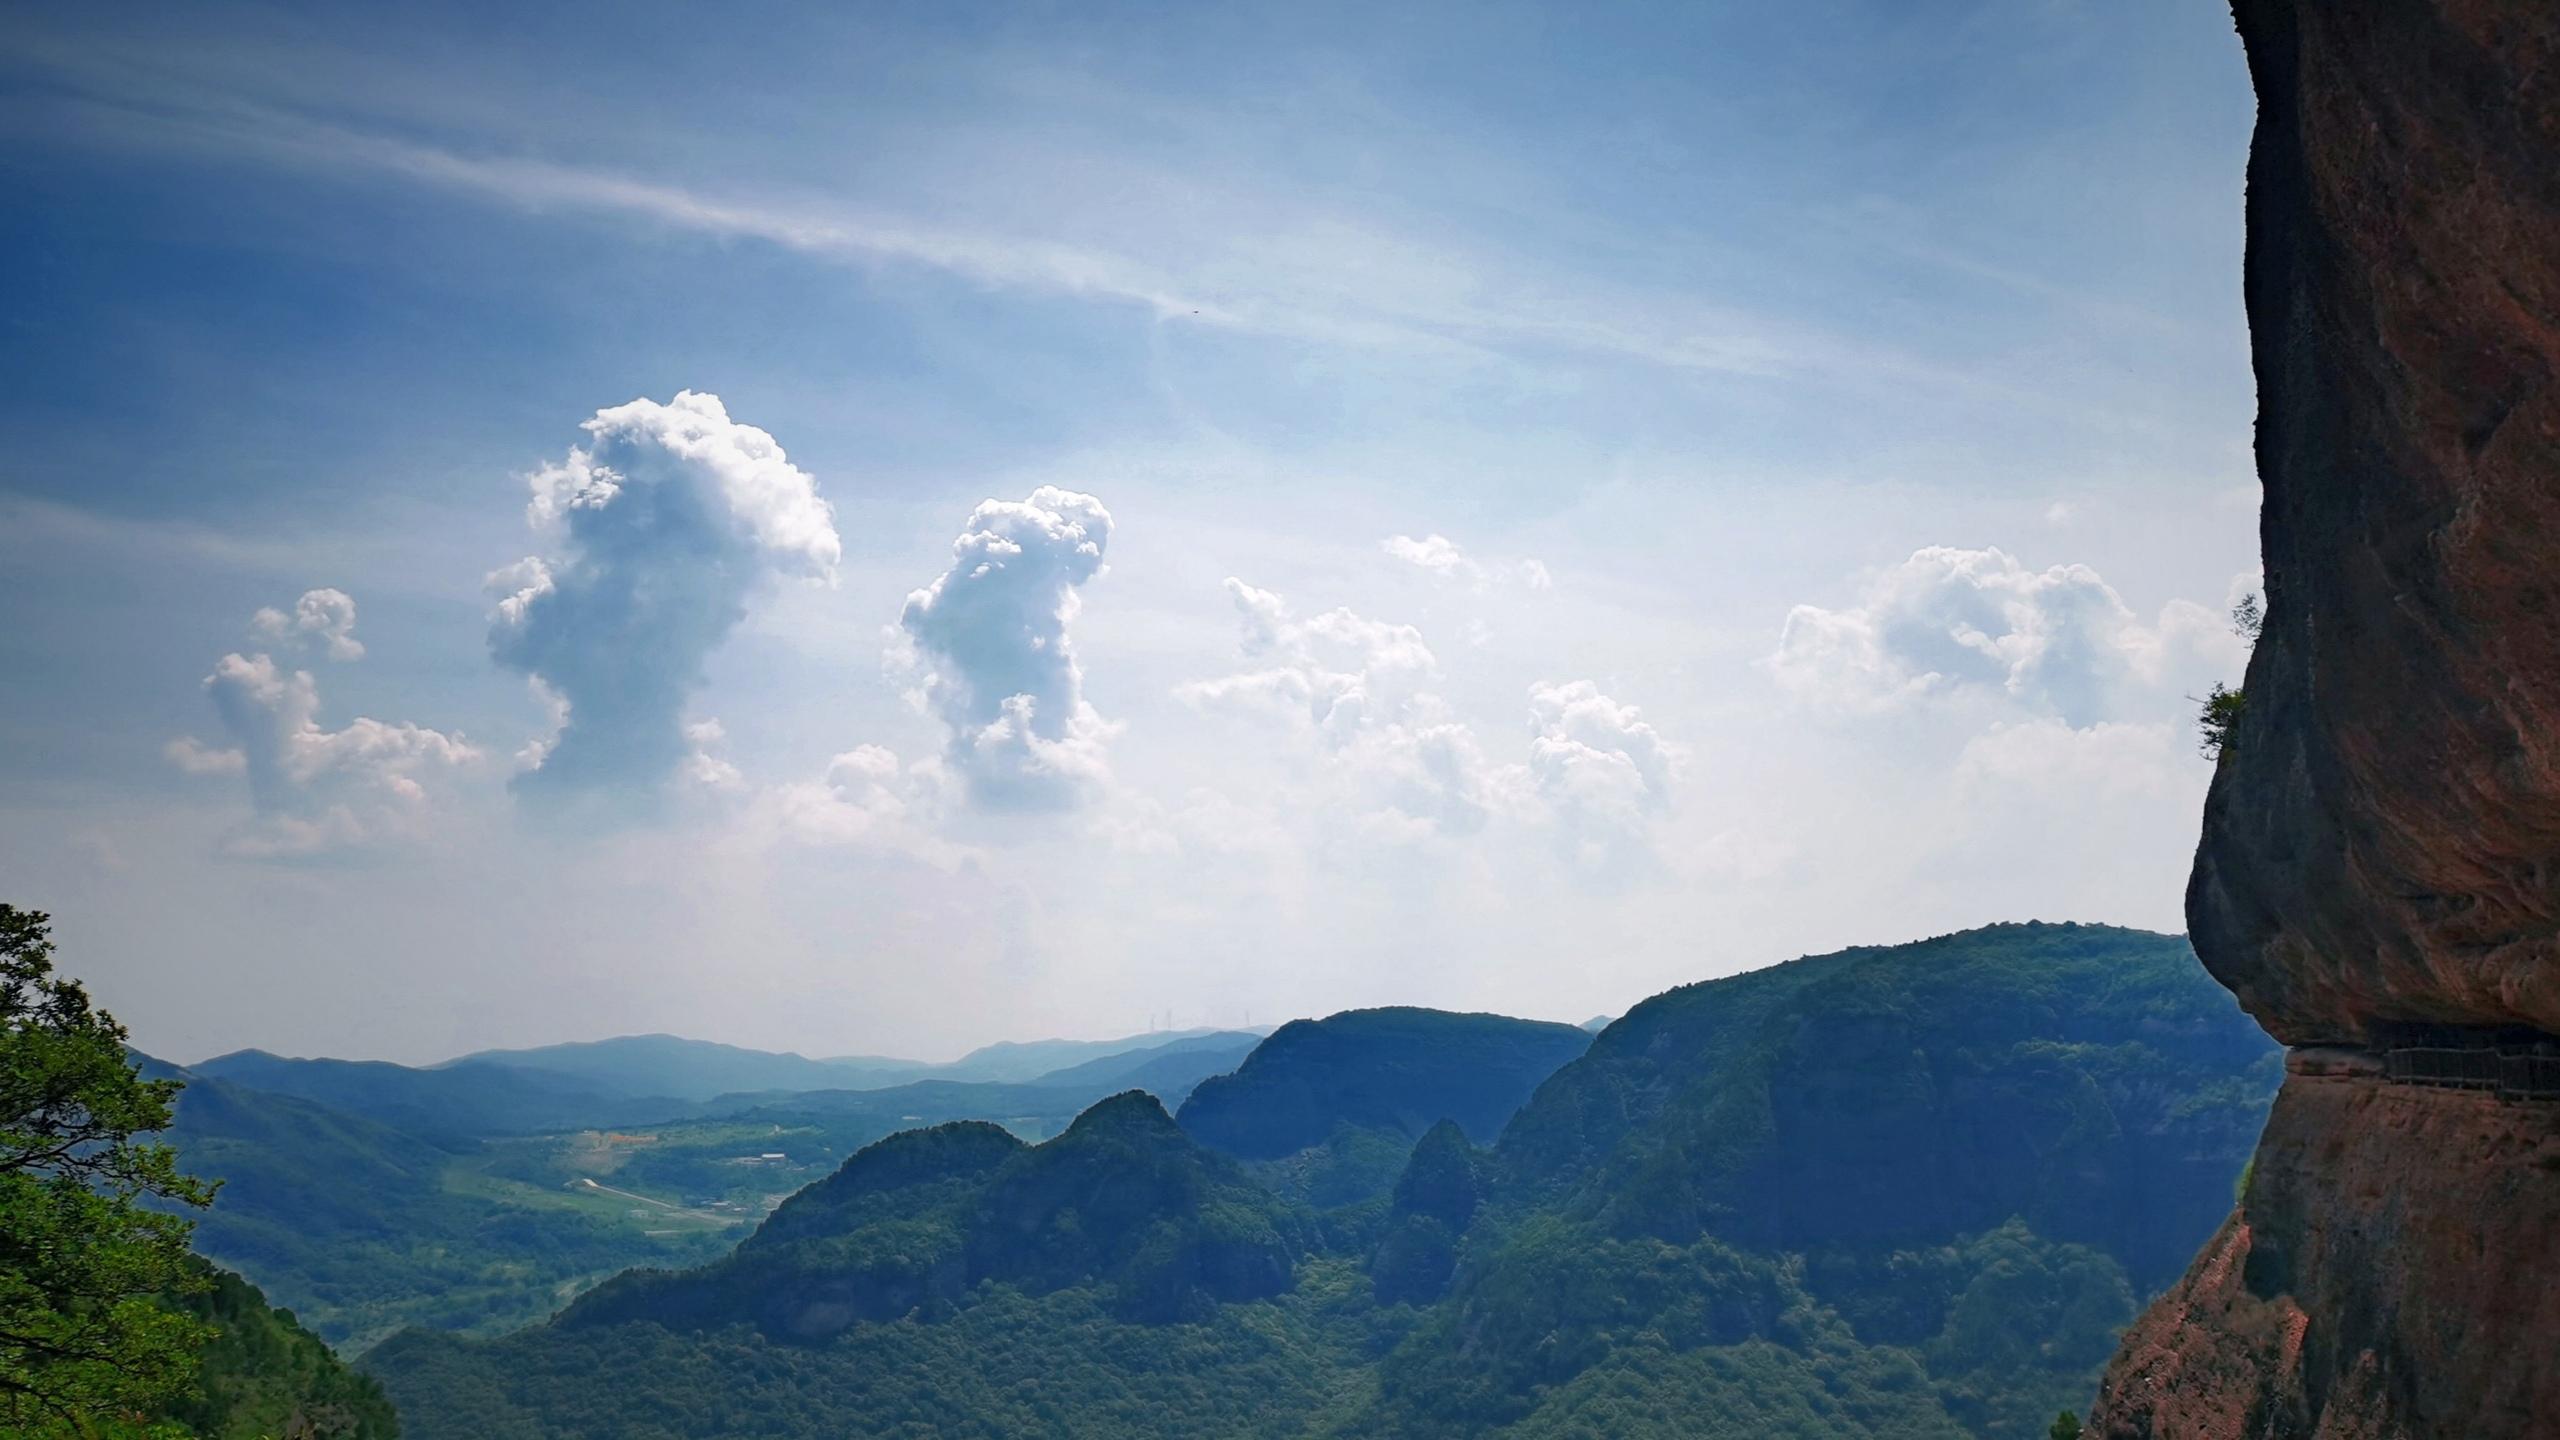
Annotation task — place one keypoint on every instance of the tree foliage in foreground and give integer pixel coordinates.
(86, 1346)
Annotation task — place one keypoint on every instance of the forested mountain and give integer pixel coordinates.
(658, 1068)
(1397, 1070)
(673, 1067)
(1969, 1153)
(1123, 1203)
(264, 1377)
(639, 1080)
(1169, 1071)
(1908, 1191)
(364, 1225)
(1326, 1111)
(456, 1101)
(361, 1228)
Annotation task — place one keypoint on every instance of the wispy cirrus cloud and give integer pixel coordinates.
(1311, 277)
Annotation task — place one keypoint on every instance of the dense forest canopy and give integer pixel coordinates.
(1850, 1194)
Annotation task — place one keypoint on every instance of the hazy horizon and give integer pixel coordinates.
(1179, 1029)
(1168, 1035)
(885, 532)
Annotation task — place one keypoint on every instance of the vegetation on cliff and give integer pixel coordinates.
(263, 1377)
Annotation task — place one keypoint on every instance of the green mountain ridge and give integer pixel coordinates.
(263, 1376)
(634, 1081)
(1839, 1083)
(1848, 1195)
(364, 1226)
(1976, 1150)
(1398, 1070)
(1122, 1201)
(360, 1227)
(676, 1067)
(457, 1101)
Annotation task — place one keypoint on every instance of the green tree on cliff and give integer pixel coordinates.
(2220, 712)
(86, 1346)
(2066, 1426)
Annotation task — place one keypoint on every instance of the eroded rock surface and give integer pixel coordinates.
(2381, 848)
(2389, 1275)
(2383, 842)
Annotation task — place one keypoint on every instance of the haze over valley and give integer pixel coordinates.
(1291, 721)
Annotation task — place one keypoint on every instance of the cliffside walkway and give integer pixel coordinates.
(2513, 1065)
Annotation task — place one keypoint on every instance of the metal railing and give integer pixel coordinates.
(2510, 1064)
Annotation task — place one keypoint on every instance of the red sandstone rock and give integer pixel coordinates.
(2382, 842)
(2389, 1275)
(2383, 839)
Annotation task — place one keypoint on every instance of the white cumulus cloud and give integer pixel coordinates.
(326, 618)
(1949, 621)
(1436, 553)
(2112, 759)
(867, 800)
(1356, 687)
(1337, 671)
(990, 646)
(704, 765)
(1396, 758)
(312, 788)
(1443, 558)
(667, 521)
(1602, 770)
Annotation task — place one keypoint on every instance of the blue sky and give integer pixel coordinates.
(1505, 507)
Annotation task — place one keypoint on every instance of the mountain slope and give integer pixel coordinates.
(1981, 1145)
(1118, 1279)
(1396, 1070)
(458, 1101)
(1177, 1064)
(647, 1066)
(2077, 1075)
(264, 1376)
(1122, 1202)
(1060, 1366)
(358, 1226)
(1169, 1077)
(1653, 1247)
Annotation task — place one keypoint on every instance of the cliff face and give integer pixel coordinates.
(2383, 843)
(2381, 847)
(2389, 1274)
